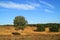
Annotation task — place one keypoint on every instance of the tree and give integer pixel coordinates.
(20, 22)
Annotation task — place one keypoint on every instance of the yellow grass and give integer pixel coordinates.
(27, 31)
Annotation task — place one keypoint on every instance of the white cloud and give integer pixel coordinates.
(18, 6)
(48, 11)
(46, 3)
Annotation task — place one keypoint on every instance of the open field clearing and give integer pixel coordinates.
(31, 37)
(27, 34)
(27, 31)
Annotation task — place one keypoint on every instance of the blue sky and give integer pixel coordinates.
(35, 11)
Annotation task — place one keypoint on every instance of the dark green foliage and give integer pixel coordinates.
(20, 22)
(35, 25)
(40, 27)
(54, 27)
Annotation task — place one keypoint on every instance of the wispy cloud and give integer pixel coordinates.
(48, 11)
(47, 7)
(48, 4)
(18, 6)
(28, 5)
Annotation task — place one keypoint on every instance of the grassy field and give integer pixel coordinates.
(28, 34)
(31, 37)
(7, 30)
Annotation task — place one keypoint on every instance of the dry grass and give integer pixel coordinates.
(27, 31)
(31, 37)
(28, 34)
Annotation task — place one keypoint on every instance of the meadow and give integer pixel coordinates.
(28, 34)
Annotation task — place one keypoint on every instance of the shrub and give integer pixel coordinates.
(16, 33)
(40, 27)
(54, 29)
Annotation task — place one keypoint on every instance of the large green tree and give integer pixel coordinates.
(20, 22)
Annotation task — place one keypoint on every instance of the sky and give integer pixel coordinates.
(34, 11)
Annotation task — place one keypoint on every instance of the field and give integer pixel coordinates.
(27, 34)
(31, 37)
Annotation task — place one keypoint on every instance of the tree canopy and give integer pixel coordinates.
(20, 22)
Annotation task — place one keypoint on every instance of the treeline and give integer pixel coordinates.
(6, 25)
(53, 27)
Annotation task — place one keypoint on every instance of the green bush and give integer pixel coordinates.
(54, 29)
(40, 27)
